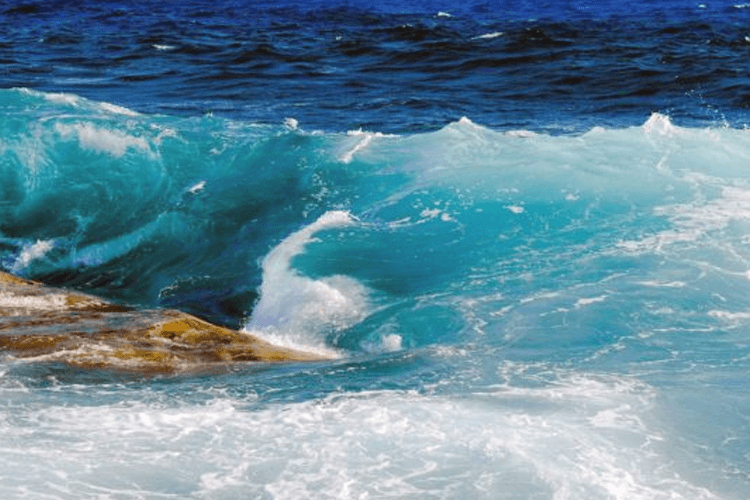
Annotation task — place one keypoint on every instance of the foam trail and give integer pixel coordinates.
(364, 139)
(295, 310)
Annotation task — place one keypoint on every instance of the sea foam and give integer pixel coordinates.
(295, 310)
(113, 142)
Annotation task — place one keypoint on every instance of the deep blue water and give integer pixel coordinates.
(521, 229)
(391, 67)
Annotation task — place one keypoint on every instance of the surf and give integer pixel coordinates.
(582, 293)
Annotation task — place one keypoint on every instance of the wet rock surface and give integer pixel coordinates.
(38, 322)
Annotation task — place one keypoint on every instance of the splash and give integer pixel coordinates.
(295, 310)
(33, 252)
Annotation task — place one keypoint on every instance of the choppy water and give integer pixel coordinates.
(521, 231)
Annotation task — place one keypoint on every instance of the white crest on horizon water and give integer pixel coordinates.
(77, 101)
(466, 122)
(291, 123)
(489, 36)
(120, 110)
(658, 123)
(56, 97)
(295, 310)
(465, 125)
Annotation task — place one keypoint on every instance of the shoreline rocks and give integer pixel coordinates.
(43, 323)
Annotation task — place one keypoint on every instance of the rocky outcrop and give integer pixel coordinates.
(44, 323)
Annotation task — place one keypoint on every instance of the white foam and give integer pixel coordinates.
(464, 129)
(729, 316)
(733, 205)
(291, 123)
(392, 342)
(516, 209)
(76, 101)
(433, 213)
(573, 437)
(25, 304)
(658, 242)
(589, 300)
(163, 47)
(524, 134)
(363, 141)
(33, 252)
(663, 284)
(112, 142)
(119, 110)
(349, 155)
(430, 213)
(692, 221)
(658, 124)
(197, 188)
(295, 310)
(489, 36)
(540, 296)
(466, 122)
(59, 98)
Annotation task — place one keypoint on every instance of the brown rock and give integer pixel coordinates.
(44, 323)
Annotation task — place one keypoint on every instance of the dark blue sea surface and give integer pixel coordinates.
(518, 229)
(392, 66)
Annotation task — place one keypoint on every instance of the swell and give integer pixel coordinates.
(462, 229)
(151, 210)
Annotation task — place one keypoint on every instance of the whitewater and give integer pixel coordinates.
(507, 313)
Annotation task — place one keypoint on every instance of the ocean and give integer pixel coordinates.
(517, 234)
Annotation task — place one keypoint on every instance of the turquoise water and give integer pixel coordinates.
(512, 314)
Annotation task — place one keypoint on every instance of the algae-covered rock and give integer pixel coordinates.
(45, 323)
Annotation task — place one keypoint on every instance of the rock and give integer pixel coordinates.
(38, 322)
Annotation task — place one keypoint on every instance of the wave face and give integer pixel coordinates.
(513, 314)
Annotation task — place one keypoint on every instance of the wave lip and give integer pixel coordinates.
(295, 310)
(113, 142)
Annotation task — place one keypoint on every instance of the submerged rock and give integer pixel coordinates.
(50, 324)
